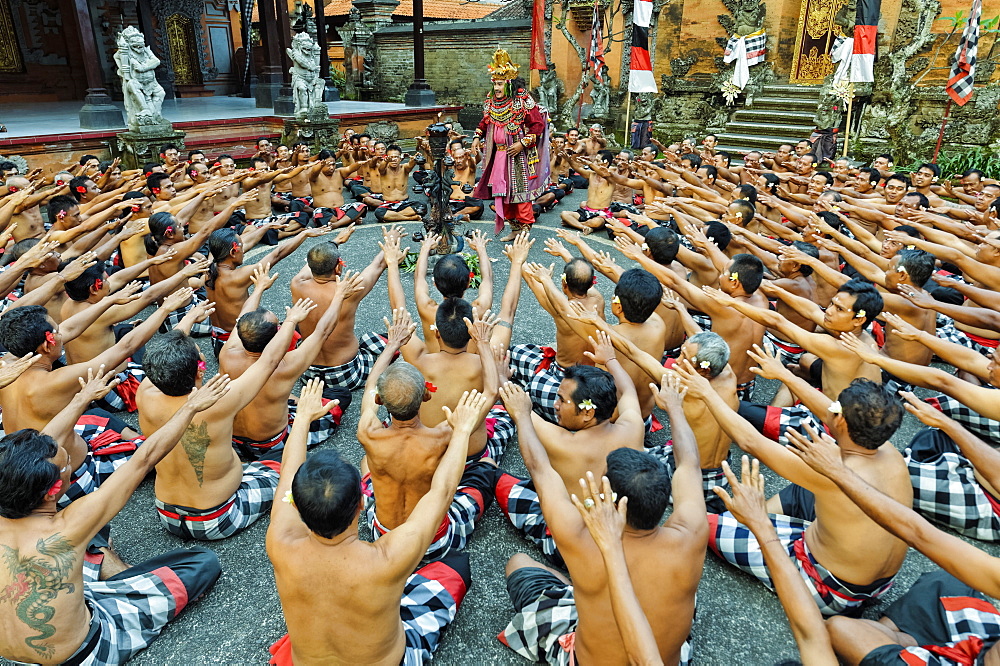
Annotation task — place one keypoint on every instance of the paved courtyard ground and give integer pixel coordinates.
(737, 622)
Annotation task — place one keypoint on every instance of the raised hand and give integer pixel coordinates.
(246, 197)
(75, 268)
(201, 311)
(390, 247)
(900, 327)
(516, 401)
(310, 403)
(718, 295)
(696, 385)
(580, 312)
(604, 351)
(628, 248)
(603, 261)
(818, 450)
(127, 294)
(671, 300)
(298, 312)
(477, 241)
(350, 283)
(14, 367)
(929, 416)
(604, 519)
(170, 255)
(854, 344)
(214, 389)
(517, 252)
(178, 299)
(915, 296)
(37, 254)
(670, 393)
(430, 241)
(747, 503)
(97, 383)
(400, 328)
(345, 233)
(501, 356)
(262, 278)
(571, 237)
(480, 328)
(769, 366)
(557, 249)
(468, 413)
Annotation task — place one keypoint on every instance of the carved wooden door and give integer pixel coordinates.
(183, 50)
(814, 41)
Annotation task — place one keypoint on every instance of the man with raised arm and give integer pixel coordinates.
(202, 490)
(263, 425)
(63, 608)
(401, 459)
(585, 402)
(350, 601)
(846, 560)
(328, 192)
(560, 621)
(944, 613)
(344, 360)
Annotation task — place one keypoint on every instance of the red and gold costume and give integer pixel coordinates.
(512, 182)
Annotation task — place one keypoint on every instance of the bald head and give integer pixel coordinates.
(401, 389)
(579, 276)
(20, 182)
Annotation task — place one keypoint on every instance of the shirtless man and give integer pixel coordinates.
(593, 213)
(259, 211)
(394, 176)
(47, 387)
(846, 559)
(383, 611)
(740, 282)
(344, 360)
(59, 612)
(202, 490)
(463, 173)
(581, 439)
(401, 458)
(327, 183)
(548, 606)
(924, 179)
(27, 213)
(595, 141)
(539, 369)
(263, 425)
(229, 279)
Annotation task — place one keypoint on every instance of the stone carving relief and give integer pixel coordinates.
(384, 130)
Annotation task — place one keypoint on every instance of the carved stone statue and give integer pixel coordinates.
(644, 106)
(550, 89)
(749, 16)
(143, 94)
(307, 85)
(600, 96)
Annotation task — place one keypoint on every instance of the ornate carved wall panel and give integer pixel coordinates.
(10, 52)
(181, 42)
(814, 39)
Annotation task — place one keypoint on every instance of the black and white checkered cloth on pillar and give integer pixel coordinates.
(963, 72)
(756, 46)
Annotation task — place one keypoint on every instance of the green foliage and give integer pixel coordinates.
(960, 161)
(954, 21)
(409, 264)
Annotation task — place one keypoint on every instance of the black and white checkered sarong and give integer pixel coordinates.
(353, 374)
(518, 501)
(984, 428)
(251, 500)
(535, 369)
(945, 489)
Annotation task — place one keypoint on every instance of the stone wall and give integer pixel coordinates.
(455, 58)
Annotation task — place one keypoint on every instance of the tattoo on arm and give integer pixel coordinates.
(195, 442)
(36, 581)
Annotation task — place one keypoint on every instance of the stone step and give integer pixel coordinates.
(772, 129)
(808, 92)
(784, 103)
(732, 141)
(754, 115)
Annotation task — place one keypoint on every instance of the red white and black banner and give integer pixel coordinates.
(595, 55)
(963, 72)
(640, 77)
(865, 38)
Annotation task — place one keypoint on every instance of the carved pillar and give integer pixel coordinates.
(145, 13)
(376, 13)
(284, 105)
(97, 111)
(419, 93)
(271, 77)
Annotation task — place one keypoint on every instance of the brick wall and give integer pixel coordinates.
(455, 58)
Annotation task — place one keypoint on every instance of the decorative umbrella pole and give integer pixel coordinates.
(439, 220)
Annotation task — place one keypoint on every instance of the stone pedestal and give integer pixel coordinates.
(284, 105)
(318, 133)
(419, 94)
(136, 148)
(98, 112)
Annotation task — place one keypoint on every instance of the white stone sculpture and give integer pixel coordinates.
(143, 94)
(307, 86)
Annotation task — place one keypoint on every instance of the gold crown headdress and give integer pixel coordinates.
(501, 68)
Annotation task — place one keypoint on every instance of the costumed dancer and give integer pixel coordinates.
(516, 160)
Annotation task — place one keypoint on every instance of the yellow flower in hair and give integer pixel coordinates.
(704, 365)
(734, 276)
(861, 313)
(911, 247)
(645, 246)
(616, 300)
(586, 404)
(835, 407)
(288, 499)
